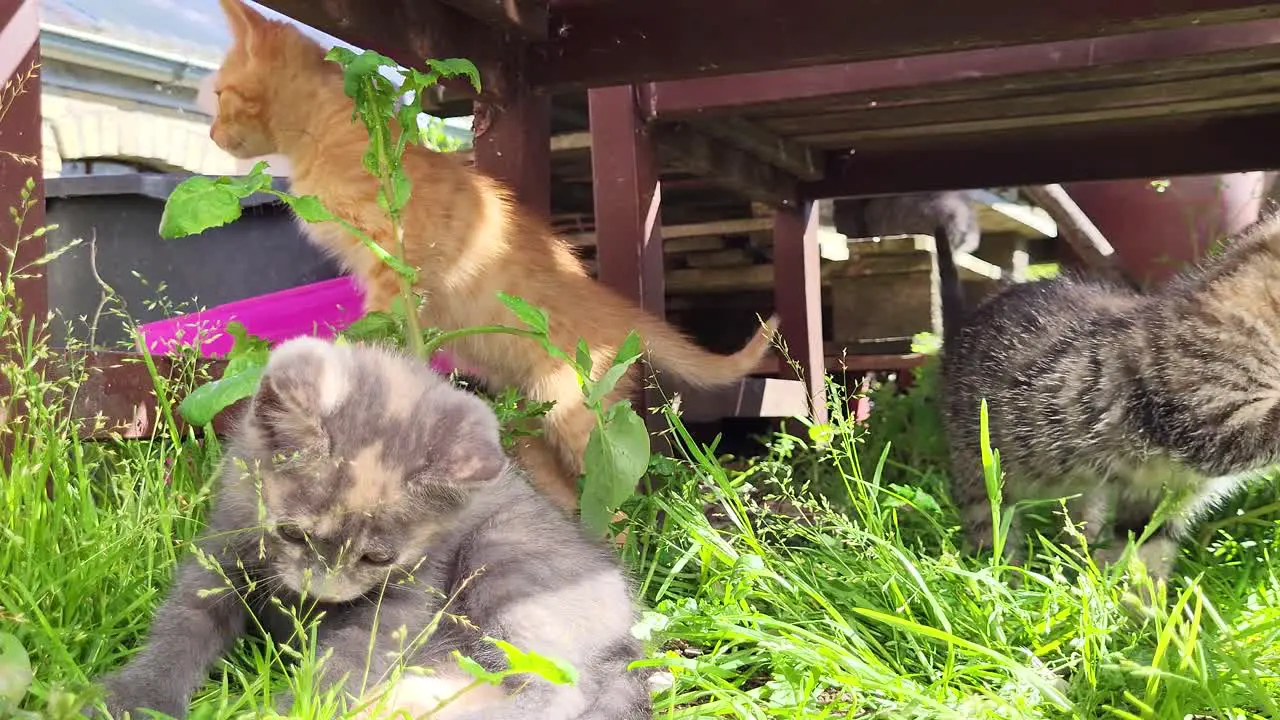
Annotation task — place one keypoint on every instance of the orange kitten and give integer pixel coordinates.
(276, 94)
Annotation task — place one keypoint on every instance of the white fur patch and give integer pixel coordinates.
(590, 611)
(331, 385)
(421, 694)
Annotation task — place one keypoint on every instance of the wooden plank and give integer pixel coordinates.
(561, 144)
(733, 257)
(528, 18)
(684, 148)
(117, 397)
(751, 397)
(794, 158)
(798, 299)
(999, 215)
(973, 73)
(605, 43)
(714, 229)
(1079, 231)
(696, 243)
(1193, 145)
(1159, 100)
(628, 198)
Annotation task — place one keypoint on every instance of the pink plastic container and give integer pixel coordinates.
(320, 309)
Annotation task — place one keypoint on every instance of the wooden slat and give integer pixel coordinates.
(969, 74)
(684, 148)
(751, 397)
(1194, 145)
(605, 43)
(118, 395)
(526, 17)
(713, 229)
(789, 156)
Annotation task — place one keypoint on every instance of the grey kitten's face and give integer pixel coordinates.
(364, 457)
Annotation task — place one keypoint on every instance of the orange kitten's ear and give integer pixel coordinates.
(245, 21)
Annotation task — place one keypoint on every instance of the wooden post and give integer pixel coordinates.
(628, 198)
(20, 163)
(20, 147)
(513, 134)
(798, 297)
(628, 215)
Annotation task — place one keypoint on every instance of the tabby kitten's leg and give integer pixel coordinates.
(191, 630)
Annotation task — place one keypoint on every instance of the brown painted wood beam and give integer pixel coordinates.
(798, 298)
(20, 164)
(605, 43)
(512, 131)
(526, 18)
(703, 97)
(628, 198)
(1192, 145)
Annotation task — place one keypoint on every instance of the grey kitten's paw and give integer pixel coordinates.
(135, 694)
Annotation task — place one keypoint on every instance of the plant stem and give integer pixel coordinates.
(380, 140)
(448, 337)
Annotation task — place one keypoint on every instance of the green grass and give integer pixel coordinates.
(811, 582)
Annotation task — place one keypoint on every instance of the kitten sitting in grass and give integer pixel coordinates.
(1123, 399)
(363, 485)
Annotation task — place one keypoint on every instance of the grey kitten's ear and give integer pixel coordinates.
(466, 448)
(302, 383)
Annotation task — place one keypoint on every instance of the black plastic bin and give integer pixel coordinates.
(264, 251)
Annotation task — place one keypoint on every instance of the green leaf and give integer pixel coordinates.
(533, 317)
(376, 327)
(616, 458)
(247, 350)
(583, 357)
(206, 401)
(550, 669)
(457, 67)
(357, 67)
(476, 670)
(627, 355)
(197, 204)
(307, 207)
(15, 669)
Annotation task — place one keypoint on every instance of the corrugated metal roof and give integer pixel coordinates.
(191, 28)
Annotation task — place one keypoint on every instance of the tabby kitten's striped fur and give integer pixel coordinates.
(1119, 397)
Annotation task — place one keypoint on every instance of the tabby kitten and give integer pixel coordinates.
(276, 94)
(1122, 398)
(363, 485)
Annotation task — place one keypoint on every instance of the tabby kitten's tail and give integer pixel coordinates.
(949, 286)
(671, 351)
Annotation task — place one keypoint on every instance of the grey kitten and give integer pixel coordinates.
(1120, 397)
(365, 484)
(913, 214)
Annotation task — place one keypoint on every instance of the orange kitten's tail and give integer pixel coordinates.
(671, 351)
